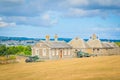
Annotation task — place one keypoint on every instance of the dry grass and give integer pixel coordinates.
(94, 68)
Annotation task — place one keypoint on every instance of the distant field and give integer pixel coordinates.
(93, 68)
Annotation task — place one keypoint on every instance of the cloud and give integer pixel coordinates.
(50, 17)
(90, 4)
(5, 24)
(48, 12)
(76, 12)
(45, 19)
(91, 8)
(11, 2)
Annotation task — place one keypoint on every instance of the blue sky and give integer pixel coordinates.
(67, 18)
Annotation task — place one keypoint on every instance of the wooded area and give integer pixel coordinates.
(15, 50)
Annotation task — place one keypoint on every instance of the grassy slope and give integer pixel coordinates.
(118, 43)
(94, 68)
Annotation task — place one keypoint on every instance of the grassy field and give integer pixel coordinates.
(93, 68)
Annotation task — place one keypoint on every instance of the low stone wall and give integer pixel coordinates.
(108, 52)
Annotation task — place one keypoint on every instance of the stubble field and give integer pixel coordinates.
(93, 68)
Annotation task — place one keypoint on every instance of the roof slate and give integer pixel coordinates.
(57, 44)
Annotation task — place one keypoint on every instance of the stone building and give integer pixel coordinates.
(94, 46)
(102, 48)
(52, 49)
(56, 49)
(79, 44)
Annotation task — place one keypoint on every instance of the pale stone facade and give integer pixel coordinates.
(52, 49)
(59, 49)
(79, 45)
(95, 46)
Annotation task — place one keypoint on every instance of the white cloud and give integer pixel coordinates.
(77, 2)
(108, 2)
(83, 13)
(47, 12)
(86, 8)
(46, 17)
(49, 18)
(5, 24)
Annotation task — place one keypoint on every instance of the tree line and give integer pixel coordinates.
(15, 50)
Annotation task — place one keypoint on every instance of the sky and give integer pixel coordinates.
(66, 18)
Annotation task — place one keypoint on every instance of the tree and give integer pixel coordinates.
(13, 50)
(3, 50)
(27, 50)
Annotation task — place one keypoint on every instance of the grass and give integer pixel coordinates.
(118, 43)
(93, 68)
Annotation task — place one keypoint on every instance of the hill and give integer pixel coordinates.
(4, 38)
(93, 68)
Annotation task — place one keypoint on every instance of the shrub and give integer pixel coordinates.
(11, 57)
(118, 43)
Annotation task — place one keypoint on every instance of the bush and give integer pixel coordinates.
(11, 57)
(118, 43)
(13, 50)
(3, 58)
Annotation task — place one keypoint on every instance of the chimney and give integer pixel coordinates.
(47, 37)
(94, 36)
(56, 37)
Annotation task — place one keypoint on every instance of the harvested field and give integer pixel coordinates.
(93, 68)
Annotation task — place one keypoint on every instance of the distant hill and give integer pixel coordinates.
(4, 38)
